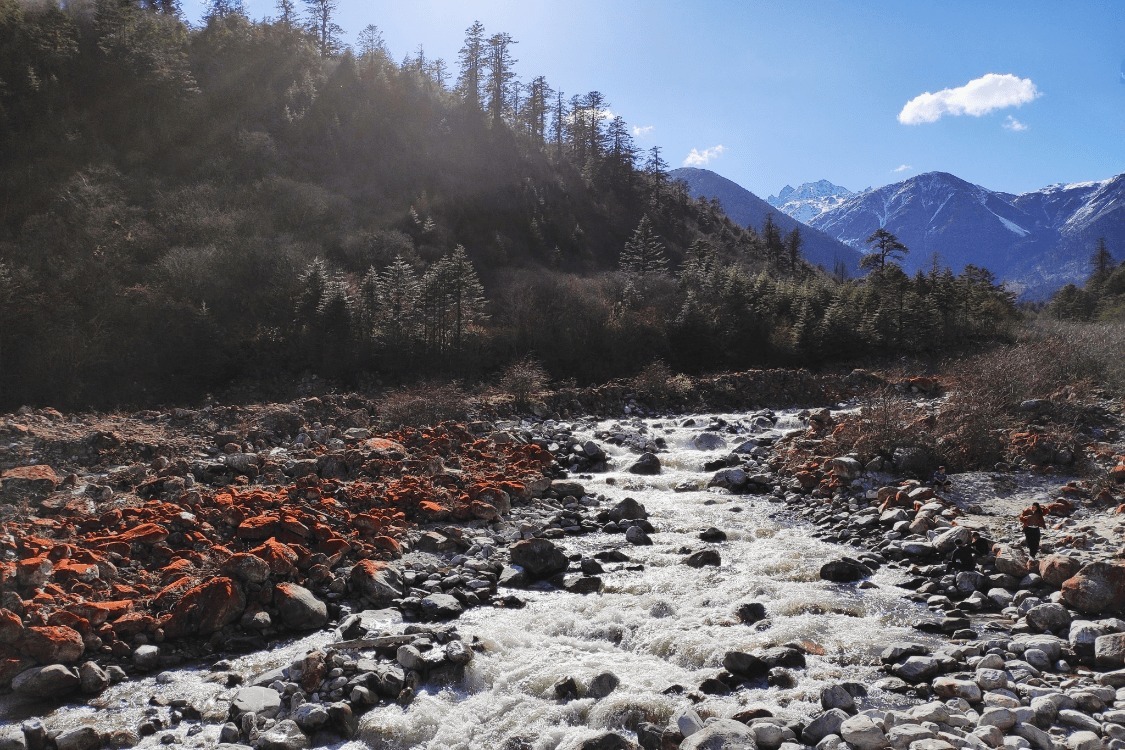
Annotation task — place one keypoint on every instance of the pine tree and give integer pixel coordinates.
(321, 24)
(885, 247)
(498, 63)
(1101, 263)
(472, 59)
(643, 254)
(793, 243)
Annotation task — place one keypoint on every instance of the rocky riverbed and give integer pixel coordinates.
(408, 556)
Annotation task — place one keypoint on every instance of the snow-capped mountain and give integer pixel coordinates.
(1037, 241)
(749, 210)
(808, 201)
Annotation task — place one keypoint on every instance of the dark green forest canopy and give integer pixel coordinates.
(183, 209)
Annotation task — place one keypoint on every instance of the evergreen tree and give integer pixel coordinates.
(771, 236)
(472, 59)
(643, 254)
(885, 247)
(793, 243)
(1101, 263)
(501, 87)
(286, 13)
(322, 25)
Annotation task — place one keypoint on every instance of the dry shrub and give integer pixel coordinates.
(522, 379)
(657, 381)
(425, 404)
(887, 424)
(1095, 349)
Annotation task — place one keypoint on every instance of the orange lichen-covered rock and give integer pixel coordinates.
(246, 568)
(27, 483)
(1117, 473)
(99, 613)
(131, 623)
(206, 608)
(34, 571)
(259, 527)
(52, 644)
(280, 557)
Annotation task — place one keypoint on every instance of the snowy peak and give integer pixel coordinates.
(809, 200)
(1038, 241)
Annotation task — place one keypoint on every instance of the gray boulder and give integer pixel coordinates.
(51, 681)
(721, 734)
(647, 464)
(298, 608)
(539, 558)
(285, 735)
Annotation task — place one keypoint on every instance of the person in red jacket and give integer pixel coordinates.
(1033, 520)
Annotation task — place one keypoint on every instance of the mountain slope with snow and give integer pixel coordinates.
(749, 210)
(1037, 241)
(809, 200)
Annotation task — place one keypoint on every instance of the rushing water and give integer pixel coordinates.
(668, 624)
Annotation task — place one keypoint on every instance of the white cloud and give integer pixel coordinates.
(699, 158)
(903, 168)
(1014, 125)
(639, 131)
(978, 97)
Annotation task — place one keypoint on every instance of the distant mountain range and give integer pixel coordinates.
(1036, 242)
(749, 210)
(809, 200)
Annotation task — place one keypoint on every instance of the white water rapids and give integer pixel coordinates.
(668, 624)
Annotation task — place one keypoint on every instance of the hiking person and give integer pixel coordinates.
(962, 558)
(940, 480)
(1033, 520)
(981, 546)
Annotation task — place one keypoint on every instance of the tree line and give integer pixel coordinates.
(184, 210)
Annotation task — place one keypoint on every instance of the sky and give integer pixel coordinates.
(1013, 96)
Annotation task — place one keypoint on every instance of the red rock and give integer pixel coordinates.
(1098, 588)
(335, 549)
(383, 445)
(52, 644)
(129, 624)
(34, 571)
(28, 483)
(1056, 569)
(483, 511)
(206, 608)
(99, 613)
(246, 568)
(280, 557)
(259, 527)
(11, 627)
(172, 593)
(432, 511)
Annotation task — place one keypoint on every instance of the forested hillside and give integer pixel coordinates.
(183, 209)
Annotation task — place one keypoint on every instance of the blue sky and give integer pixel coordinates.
(1021, 94)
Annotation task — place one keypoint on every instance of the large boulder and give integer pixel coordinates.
(1056, 569)
(945, 541)
(707, 441)
(1097, 588)
(1012, 561)
(1109, 650)
(733, 479)
(206, 608)
(51, 681)
(862, 733)
(845, 467)
(377, 582)
(48, 644)
(647, 464)
(539, 558)
(298, 608)
(844, 570)
(27, 483)
(627, 510)
(1049, 617)
(721, 734)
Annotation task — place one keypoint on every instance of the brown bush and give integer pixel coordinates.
(425, 404)
(658, 382)
(523, 378)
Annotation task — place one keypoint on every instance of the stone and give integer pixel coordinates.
(582, 584)
(713, 534)
(206, 608)
(949, 687)
(991, 679)
(78, 738)
(1012, 560)
(602, 685)
(441, 607)
(377, 582)
(298, 608)
(146, 658)
(1096, 588)
(51, 681)
(1109, 650)
(1084, 633)
(917, 669)
(1085, 740)
(836, 696)
(261, 701)
(1001, 718)
(844, 570)
(1035, 736)
(721, 734)
(539, 558)
(246, 568)
(285, 735)
(707, 441)
(647, 465)
(862, 733)
(627, 510)
(688, 722)
(945, 541)
(751, 612)
(31, 483)
(733, 479)
(607, 741)
(823, 725)
(635, 535)
(901, 736)
(311, 716)
(93, 679)
(1056, 569)
(1048, 617)
(12, 738)
(703, 558)
(744, 665)
(1079, 720)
